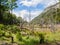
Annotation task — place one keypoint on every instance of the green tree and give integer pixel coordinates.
(6, 6)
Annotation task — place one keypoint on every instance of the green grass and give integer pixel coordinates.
(31, 38)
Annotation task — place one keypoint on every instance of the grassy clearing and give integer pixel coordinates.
(28, 37)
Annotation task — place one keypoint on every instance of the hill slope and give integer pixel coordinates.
(50, 15)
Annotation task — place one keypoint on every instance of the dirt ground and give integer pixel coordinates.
(36, 44)
(50, 44)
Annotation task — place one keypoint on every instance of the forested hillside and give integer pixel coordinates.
(51, 15)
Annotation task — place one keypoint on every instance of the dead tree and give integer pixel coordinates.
(41, 22)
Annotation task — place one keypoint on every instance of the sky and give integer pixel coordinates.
(32, 7)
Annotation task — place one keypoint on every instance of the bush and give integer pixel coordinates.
(42, 38)
(1, 26)
(19, 36)
(14, 29)
(2, 33)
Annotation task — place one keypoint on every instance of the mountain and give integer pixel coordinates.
(50, 15)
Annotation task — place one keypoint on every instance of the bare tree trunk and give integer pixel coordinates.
(29, 19)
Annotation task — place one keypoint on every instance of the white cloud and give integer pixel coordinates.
(30, 3)
(35, 2)
(35, 13)
(25, 14)
(16, 13)
(49, 2)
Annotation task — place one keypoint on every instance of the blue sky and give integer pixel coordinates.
(35, 7)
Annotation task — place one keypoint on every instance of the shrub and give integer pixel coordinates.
(2, 33)
(1, 26)
(19, 36)
(42, 38)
